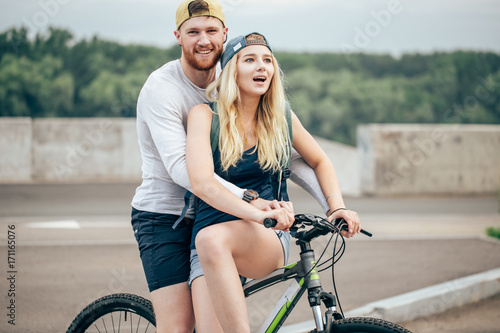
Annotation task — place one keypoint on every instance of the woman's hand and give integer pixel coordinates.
(352, 220)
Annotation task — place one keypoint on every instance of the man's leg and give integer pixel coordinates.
(165, 258)
(173, 309)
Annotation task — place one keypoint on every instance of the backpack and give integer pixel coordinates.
(278, 179)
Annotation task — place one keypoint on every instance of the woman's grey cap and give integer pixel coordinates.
(238, 43)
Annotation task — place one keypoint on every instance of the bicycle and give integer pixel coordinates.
(109, 311)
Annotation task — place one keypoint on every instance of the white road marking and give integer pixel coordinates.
(67, 224)
(74, 224)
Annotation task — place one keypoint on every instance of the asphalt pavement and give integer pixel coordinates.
(74, 244)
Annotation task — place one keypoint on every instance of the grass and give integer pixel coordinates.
(498, 200)
(493, 232)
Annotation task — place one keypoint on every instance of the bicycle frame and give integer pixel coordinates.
(285, 304)
(305, 277)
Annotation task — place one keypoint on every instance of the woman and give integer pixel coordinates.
(253, 143)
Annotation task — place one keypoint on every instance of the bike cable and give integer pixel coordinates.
(333, 271)
(336, 253)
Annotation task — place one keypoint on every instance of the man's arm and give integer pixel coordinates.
(166, 125)
(303, 175)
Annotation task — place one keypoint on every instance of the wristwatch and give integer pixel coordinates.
(250, 195)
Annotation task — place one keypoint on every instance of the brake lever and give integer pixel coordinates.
(342, 225)
(305, 219)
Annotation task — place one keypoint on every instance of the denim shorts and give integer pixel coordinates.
(164, 251)
(196, 270)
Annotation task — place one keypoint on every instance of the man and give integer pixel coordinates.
(164, 102)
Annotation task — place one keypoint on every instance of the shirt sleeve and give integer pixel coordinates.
(166, 124)
(305, 177)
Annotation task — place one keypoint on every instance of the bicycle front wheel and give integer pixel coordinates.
(366, 325)
(115, 313)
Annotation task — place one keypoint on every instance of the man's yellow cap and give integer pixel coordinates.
(207, 8)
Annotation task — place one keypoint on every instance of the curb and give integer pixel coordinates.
(423, 302)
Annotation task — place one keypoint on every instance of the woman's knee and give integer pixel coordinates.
(211, 242)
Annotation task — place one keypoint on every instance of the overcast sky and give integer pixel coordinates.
(382, 26)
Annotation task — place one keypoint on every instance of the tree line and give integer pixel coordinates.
(55, 75)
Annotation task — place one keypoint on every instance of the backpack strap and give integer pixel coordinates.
(187, 198)
(280, 177)
(214, 129)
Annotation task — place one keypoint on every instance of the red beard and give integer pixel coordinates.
(203, 65)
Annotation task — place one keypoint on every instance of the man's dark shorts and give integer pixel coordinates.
(164, 251)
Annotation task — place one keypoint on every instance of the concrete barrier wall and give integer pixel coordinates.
(389, 160)
(69, 150)
(346, 162)
(102, 149)
(84, 149)
(429, 159)
(15, 149)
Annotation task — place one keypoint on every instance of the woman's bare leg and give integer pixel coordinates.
(206, 319)
(227, 250)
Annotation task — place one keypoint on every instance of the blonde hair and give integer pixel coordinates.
(271, 127)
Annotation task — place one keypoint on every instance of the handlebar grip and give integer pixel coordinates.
(343, 226)
(369, 234)
(269, 223)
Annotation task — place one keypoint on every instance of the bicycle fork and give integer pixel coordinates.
(316, 294)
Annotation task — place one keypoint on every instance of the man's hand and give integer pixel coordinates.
(263, 204)
(266, 205)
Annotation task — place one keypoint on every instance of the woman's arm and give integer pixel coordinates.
(312, 153)
(200, 168)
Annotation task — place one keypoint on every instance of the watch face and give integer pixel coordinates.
(250, 195)
(253, 193)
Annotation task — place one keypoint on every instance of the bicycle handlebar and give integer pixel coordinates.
(306, 219)
(269, 223)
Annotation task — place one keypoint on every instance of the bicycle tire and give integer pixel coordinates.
(366, 325)
(116, 312)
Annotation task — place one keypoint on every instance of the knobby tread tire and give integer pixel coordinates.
(366, 325)
(111, 303)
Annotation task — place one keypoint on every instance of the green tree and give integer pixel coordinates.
(54, 75)
(34, 88)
